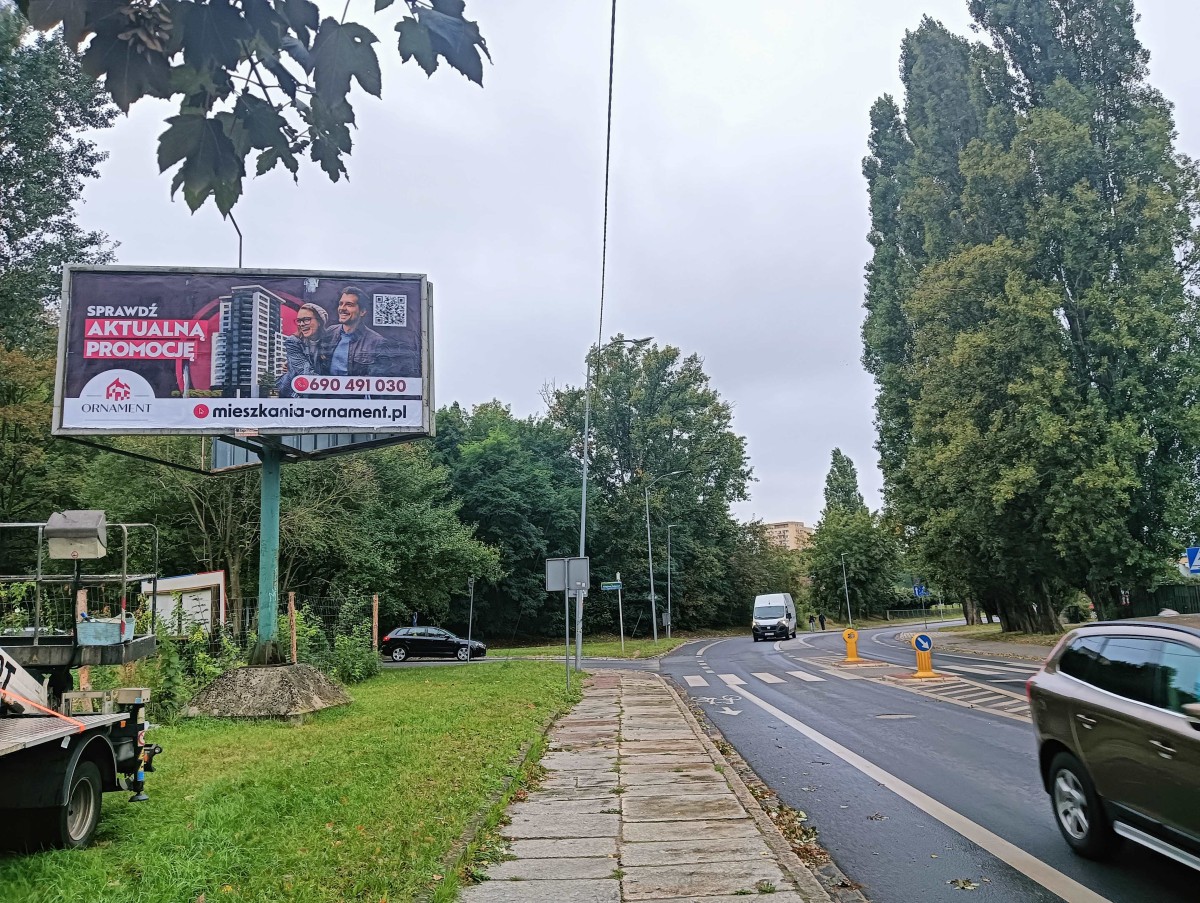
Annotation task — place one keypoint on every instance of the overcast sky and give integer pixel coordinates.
(738, 211)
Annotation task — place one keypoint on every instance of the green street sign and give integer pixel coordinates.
(611, 585)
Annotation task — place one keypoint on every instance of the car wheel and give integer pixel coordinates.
(756, 639)
(462, 654)
(1077, 809)
(72, 826)
(399, 654)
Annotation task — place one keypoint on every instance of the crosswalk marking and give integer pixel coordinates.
(694, 680)
(768, 678)
(803, 675)
(845, 676)
(732, 679)
(963, 669)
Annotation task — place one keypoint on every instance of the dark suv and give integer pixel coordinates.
(1117, 713)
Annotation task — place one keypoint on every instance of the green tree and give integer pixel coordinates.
(660, 432)
(853, 551)
(841, 485)
(47, 105)
(503, 475)
(1031, 317)
(263, 77)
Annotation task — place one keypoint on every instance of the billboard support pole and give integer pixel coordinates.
(267, 650)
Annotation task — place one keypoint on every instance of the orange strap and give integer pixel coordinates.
(41, 708)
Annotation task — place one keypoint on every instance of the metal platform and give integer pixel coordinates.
(61, 652)
(22, 731)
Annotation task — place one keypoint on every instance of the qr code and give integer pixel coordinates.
(391, 310)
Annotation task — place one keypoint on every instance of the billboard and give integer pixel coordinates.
(249, 352)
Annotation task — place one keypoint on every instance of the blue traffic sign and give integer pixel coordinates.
(920, 590)
(1193, 559)
(922, 642)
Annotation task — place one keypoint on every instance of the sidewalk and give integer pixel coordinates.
(637, 804)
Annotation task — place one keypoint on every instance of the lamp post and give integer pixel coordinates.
(669, 526)
(587, 432)
(846, 590)
(650, 550)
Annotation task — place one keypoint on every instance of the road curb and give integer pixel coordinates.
(824, 883)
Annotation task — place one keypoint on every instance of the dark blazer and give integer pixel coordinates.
(370, 353)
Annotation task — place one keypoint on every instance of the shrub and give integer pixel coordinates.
(354, 658)
(1078, 610)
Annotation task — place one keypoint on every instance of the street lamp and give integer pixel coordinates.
(846, 590)
(669, 526)
(650, 549)
(587, 431)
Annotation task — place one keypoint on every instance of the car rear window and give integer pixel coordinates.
(1128, 667)
(1181, 676)
(1080, 658)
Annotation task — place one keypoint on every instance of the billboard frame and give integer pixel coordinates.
(428, 405)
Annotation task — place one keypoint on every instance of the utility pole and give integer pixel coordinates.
(669, 619)
(846, 590)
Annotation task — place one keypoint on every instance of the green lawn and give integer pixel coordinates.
(360, 803)
(604, 647)
(992, 632)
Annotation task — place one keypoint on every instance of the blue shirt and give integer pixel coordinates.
(339, 364)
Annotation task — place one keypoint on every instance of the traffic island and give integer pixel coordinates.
(277, 691)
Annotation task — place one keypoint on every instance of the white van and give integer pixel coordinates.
(774, 616)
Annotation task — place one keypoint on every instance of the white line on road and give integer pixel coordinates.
(1011, 680)
(694, 680)
(804, 675)
(768, 678)
(704, 649)
(972, 669)
(1030, 866)
(732, 679)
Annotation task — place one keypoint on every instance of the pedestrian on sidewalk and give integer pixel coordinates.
(822, 620)
(812, 623)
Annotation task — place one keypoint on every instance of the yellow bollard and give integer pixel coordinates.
(923, 644)
(850, 635)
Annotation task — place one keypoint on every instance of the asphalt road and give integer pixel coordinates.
(909, 793)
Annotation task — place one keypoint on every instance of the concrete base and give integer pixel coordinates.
(279, 691)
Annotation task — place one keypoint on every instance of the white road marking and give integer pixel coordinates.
(804, 675)
(694, 680)
(1011, 680)
(844, 676)
(768, 678)
(1030, 866)
(732, 679)
(704, 649)
(973, 669)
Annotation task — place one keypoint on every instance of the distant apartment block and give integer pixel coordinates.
(250, 342)
(789, 534)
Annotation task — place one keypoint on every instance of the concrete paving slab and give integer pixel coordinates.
(702, 788)
(697, 806)
(652, 733)
(592, 891)
(574, 847)
(649, 831)
(562, 826)
(695, 759)
(573, 869)
(538, 805)
(777, 897)
(680, 852)
(580, 780)
(702, 880)
(645, 747)
(668, 774)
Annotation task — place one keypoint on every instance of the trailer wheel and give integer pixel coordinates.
(71, 826)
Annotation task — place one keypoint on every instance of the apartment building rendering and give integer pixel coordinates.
(249, 343)
(789, 534)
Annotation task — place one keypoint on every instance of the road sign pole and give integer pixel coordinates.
(266, 652)
(567, 643)
(620, 614)
(470, 615)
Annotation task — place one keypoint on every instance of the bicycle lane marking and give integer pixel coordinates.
(1030, 866)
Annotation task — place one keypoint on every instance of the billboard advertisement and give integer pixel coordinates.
(223, 352)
